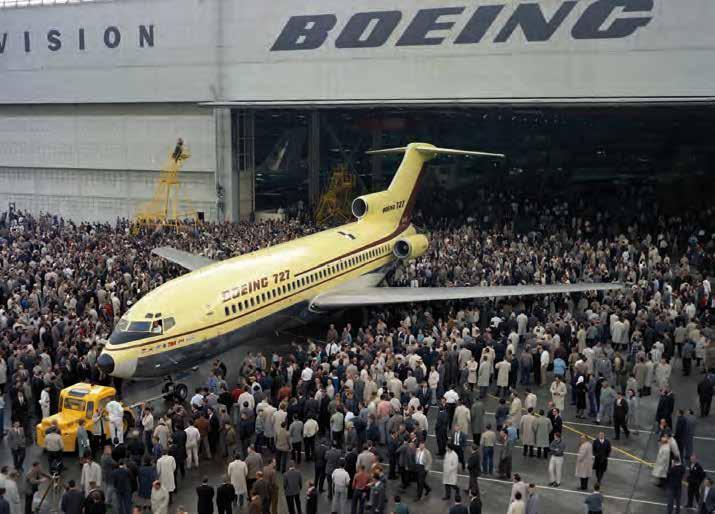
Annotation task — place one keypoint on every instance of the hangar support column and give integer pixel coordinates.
(226, 180)
(245, 153)
(314, 159)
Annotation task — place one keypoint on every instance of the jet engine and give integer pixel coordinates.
(373, 203)
(410, 247)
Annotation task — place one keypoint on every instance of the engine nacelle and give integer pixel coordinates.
(410, 247)
(371, 204)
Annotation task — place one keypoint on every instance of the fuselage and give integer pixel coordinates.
(210, 310)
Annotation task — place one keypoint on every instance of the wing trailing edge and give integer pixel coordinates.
(342, 298)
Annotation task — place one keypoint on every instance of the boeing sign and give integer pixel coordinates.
(431, 26)
(359, 52)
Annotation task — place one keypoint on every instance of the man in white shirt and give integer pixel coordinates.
(45, 402)
(307, 374)
(544, 365)
(341, 481)
(193, 436)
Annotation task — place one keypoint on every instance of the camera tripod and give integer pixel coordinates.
(52, 496)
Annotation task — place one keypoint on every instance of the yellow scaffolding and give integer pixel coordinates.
(164, 207)
(334, 204)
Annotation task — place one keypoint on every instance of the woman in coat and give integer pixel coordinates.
(632, 422)
(542, 429)
(485, 375)
(584, 462)
(515, 410)
(282, 447)
(450, 468)
(580, 397)
(662, 461)
(159, 499)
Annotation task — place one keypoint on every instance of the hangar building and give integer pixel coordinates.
(270, 94)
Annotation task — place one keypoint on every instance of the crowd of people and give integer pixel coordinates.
(356, 404)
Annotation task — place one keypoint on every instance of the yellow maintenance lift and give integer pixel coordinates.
(334, 204)
(164, 209)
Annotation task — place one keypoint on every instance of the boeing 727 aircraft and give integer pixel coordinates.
(218, 305)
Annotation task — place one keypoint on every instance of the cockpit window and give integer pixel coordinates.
(122, 325)
(169, 324)
(139, 326)
(157, 327)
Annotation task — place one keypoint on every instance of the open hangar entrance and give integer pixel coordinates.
(284, 156)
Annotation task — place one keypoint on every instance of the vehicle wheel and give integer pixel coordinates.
(168, 390)
(181, 392)
(127, 423)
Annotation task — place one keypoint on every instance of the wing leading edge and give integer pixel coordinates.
(184, 259)
(381, 295)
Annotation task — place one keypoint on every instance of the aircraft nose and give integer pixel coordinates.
(105, 362)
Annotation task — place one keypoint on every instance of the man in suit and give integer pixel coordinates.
(292, 485)
(705, 395)
(696, 475)
(225, 496)
(601, 452)
(459, 440)
(442, 429)
(424, 394)
(474, 466)
(423, 465)
(707, 497)
(205, 494)
(620, 416)
(674, 483)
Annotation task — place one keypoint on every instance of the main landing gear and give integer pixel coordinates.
(174, 391)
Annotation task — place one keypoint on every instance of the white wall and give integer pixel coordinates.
(222, 50)
(101, 162)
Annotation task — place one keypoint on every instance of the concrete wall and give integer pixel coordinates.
(89, 162)
(359, 51)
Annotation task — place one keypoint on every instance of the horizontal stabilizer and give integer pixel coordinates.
(342, 298)
(189, 261)
(433, 151)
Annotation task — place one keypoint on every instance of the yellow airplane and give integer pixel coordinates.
(218, 305)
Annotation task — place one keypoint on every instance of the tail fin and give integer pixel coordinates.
(405, 184)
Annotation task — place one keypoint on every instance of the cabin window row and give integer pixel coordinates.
(289, 287)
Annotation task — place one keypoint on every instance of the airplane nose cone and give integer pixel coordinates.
(105, 363)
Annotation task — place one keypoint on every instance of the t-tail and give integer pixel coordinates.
(396, 203)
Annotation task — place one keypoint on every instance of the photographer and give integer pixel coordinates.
(55, 449)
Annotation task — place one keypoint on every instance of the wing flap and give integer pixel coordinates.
(186, 260)
(338, 298)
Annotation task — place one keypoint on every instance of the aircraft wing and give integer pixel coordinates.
(184, 259)
(341, 298)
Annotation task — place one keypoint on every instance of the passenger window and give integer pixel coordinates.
(245, 304)
(233, 308)
(226, 310)
(263, 297)
(252, 302)
(240, 306)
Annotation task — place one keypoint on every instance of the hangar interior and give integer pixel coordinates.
(295, 149)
